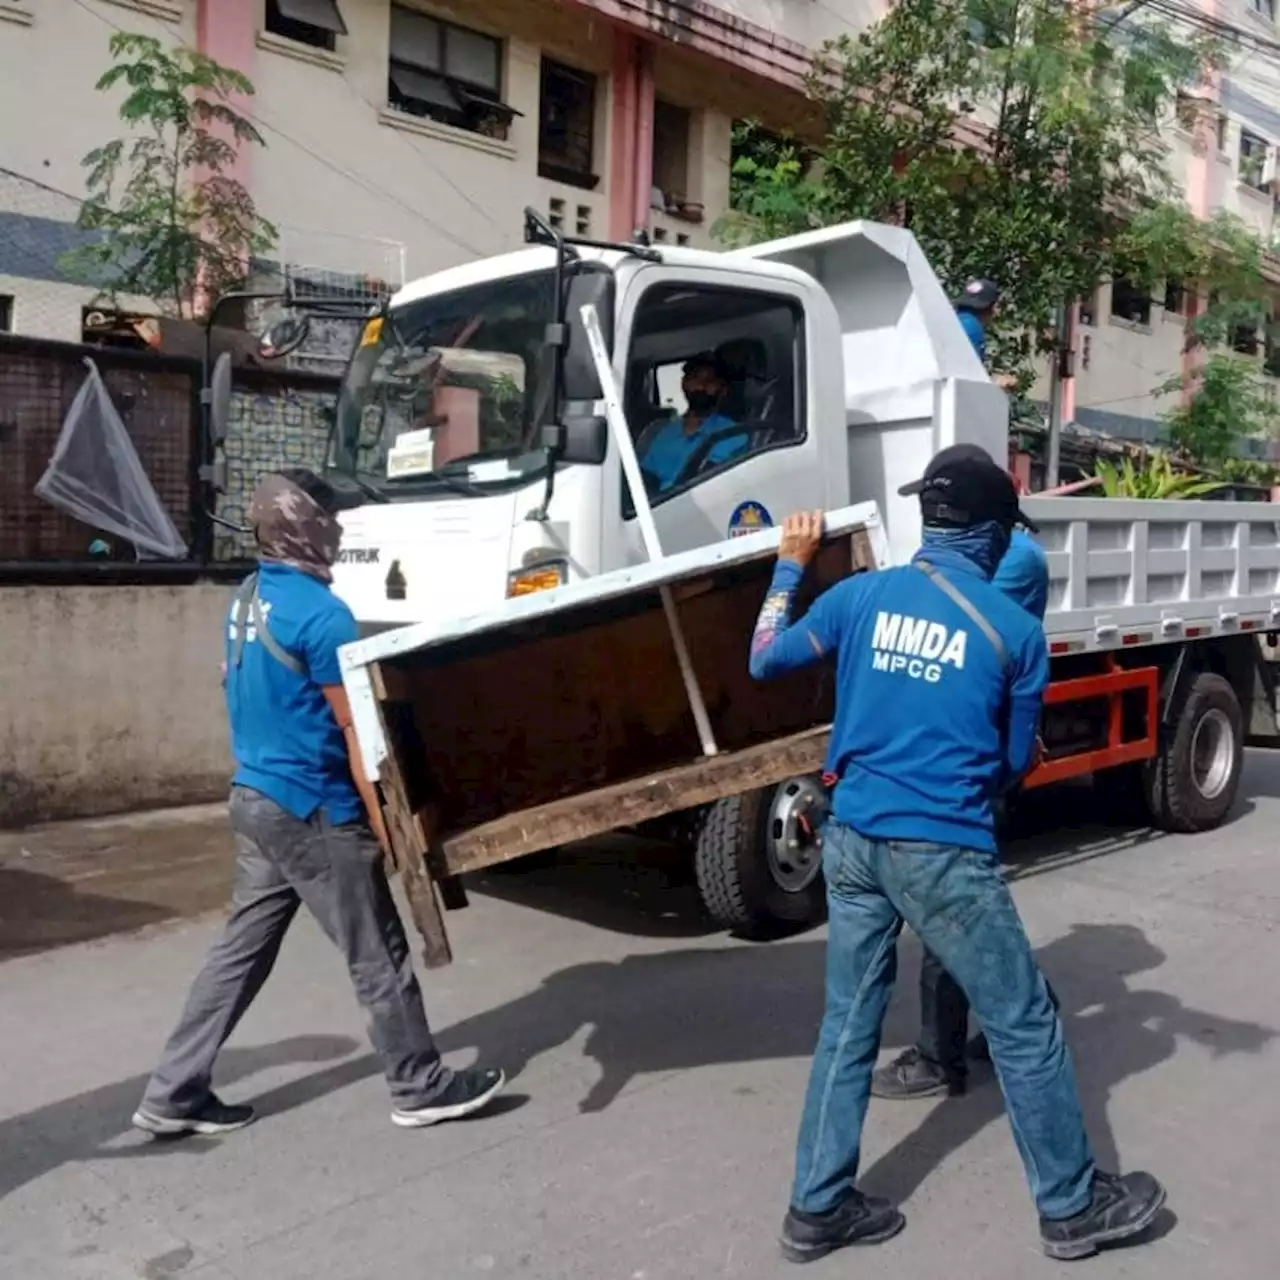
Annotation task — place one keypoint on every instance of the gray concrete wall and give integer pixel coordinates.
(110, 699)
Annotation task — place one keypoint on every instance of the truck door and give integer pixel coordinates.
(755, 458)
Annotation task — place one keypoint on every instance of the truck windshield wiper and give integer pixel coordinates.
(370, 491)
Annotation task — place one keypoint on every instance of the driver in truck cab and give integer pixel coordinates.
(666, 446)
(939, 683)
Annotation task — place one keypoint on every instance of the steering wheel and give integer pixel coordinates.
(697, 460)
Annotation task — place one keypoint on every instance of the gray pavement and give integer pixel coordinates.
(657, 1074)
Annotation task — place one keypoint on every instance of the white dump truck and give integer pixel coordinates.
(555, 647)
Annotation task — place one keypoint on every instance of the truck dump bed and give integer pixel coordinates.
(1131, 573)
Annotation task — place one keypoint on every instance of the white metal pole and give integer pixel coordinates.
(621, 436)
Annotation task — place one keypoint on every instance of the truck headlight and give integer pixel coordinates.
(537, 577)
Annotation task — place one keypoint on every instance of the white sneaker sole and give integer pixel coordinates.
(165, 1127)
(427, 1116)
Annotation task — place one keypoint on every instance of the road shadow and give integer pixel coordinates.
(1115, 1029)
(39, 912)
(641, 888)
(677, 1010)
(78, 1128)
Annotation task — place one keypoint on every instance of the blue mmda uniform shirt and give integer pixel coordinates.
(929, 727)
(975, 332)
(284, 735)
(671, 446)
(1023, 574)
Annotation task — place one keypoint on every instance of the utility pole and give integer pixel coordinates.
(1058, 370)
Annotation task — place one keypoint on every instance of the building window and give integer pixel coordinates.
(1186, 111)
(566, 126)
(757, 341)
(1222, 125)
(447, 73)
(1245, 339)
(1175, 297)
(317, 23)
(6, 313)
(1130, 302)
(672, 130)
(1263, 8)
(1253, 160)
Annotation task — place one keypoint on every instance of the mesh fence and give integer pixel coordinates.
(273, 424)
(157, 401)
(37, 227)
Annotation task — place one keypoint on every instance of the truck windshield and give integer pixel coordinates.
(448, 391)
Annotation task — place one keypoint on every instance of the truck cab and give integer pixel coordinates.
(842, 364)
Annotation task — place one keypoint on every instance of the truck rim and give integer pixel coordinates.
(1212, 753)
(792, 845)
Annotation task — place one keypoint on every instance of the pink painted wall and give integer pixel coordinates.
(622, 133)
(225, 31)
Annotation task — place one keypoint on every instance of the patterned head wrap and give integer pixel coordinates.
(293, 528)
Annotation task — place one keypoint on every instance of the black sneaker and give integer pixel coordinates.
(912, 1075)
(860, 1219)
(1121, 1207)
(213, 1118)
(466, 1093)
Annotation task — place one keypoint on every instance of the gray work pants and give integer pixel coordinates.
(337, 871)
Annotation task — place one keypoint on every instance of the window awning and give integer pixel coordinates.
(324, 14)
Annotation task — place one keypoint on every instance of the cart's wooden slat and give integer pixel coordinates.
(409, 847)
(625, 804)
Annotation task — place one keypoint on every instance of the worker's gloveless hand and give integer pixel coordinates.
(801, 537)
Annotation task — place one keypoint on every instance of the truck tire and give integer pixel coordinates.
(752, 881)
(1192, 782)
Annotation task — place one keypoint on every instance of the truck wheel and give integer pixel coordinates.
(759, 859)
(1195, 777)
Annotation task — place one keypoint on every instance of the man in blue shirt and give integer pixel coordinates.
(939, 683)
(976, 309)
(666, 447)
(301, 813)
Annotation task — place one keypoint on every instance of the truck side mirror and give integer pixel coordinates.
(220, 399)
(585, 439)
(586, 288)
(285, 336)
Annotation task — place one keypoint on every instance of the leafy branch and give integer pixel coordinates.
(172, 222)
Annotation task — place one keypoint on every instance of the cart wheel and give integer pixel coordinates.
(759, 859)
(1194, 779)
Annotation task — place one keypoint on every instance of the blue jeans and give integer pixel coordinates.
(956, 900)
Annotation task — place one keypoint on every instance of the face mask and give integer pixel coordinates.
(701, 401)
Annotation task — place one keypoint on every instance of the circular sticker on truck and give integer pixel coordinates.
(749, 517)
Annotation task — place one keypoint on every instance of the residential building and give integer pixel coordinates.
(405, 136)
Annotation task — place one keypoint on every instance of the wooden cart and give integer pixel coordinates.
(586, 709)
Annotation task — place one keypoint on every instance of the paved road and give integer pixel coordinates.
(657, 1073)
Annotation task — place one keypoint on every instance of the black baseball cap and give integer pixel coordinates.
(962, 486)
(708, 360)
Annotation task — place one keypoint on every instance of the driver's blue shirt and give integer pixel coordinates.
(670, 447)
(975, 331)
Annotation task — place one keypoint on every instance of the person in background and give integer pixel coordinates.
(976, 308)
(937, 1063)
(939, 684)
(308, 830)
(665, 446)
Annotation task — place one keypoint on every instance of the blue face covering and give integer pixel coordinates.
(984, 544)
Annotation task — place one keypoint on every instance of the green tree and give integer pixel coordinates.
(1018, 139)
(172, 223)
(1228, 398)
